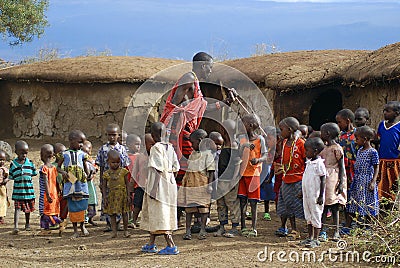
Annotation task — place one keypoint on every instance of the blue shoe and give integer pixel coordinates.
(282, 232)
(150, 248)
(323, 237)
(169, 251)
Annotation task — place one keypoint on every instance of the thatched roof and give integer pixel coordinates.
(378, 66)
(101, 69)
(281, 71)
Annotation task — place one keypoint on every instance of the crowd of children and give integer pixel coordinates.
(309, 174)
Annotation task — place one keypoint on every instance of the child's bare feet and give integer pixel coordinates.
(127, 234)
(85, 232)
(75, 235)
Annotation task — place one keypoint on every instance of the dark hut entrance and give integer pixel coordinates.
(324, 108)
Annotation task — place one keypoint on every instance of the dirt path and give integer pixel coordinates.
(28, 250)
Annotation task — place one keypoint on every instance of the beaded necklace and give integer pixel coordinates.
(290, 158)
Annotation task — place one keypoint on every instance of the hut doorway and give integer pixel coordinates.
(324, 108)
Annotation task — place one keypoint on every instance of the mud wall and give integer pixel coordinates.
(39, 110)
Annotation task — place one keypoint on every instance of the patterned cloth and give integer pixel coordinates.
(311, 186)
(101, 159)
(348, 142)
(46, 208)
(3, 192)
(332, 154)
(193, 191)
(117, 196)
(160, 214)
(22, 175)
(26, 206)
(293, 160)
(362, 200)
(289, 205)
(186, 117)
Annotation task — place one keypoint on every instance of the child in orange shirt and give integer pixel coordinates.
(254, 153)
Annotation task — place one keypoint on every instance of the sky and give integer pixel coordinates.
(177, 29)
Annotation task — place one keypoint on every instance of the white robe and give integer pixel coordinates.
(160, 214)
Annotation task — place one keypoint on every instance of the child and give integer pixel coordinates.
(115, 184)
(218, 141)
(313, 188)
(92, 203)
(292, 165)
(361, 116)
(139, 174)
(336, 187)
(59, 148)
(267, 186)
(21, 172)
(227, 184)
(389, 151)
(112, 131)
(72, 164)
(133, 143)
(3, 188)
(159, 215)
(195, 192)
(364, 200)
(254, 154)
(304, 131)
(49, 204)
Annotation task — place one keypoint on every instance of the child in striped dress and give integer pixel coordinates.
(21, 172)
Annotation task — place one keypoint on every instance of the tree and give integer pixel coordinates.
(22, 20)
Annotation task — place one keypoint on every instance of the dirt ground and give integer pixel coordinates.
(29, 250)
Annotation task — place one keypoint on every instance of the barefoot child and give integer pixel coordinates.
(72, 164)
(159, 215)
(139, 174)
(113, 133)
(115, 184)
(313, 188)
(59, 148)
(227, 184)
(336, 186)
(345, 120)
(49, 204)
(254, 154)
(195, 192)
(389, 151)
(364, 200)
(292, 165)
(3, 189)
(92, 203)
(133, 143)
(21, 172)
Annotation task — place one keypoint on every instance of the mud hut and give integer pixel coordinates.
(48, 99)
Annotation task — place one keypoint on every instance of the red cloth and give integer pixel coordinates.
(189, 117)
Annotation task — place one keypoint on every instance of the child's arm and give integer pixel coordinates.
(46, 187)
(104, 192)
(271, 175)
(86, 167)
(339, 188)
(255, 161)
(60, 161)
(372, 184)
(320, 199)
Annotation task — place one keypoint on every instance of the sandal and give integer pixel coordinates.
(294, 235)
(305, 242)
(187, 237)
(323, 237)
(267, 217)
(15, 232)
(336, 237)
(252, 233)
(231, 234)
(245, 231)
(220, 232)
(150, 248)
(282, 232)
(169, 251)
(202, 236)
